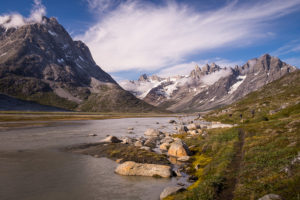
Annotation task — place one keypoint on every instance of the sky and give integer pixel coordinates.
(128, 38)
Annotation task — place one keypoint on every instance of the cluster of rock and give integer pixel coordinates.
(160, 142)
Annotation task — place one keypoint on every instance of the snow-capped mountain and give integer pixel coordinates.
(208, 87)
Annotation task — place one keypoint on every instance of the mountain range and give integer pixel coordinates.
(43, 68)
(208, 87)
(40, 63)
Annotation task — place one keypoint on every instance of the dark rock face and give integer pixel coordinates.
(202, 91)
(41, 62)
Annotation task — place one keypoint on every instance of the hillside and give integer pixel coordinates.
(261, 155)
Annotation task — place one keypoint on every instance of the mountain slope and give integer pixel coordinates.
(208, 87)
(40, 62)
(259, 156)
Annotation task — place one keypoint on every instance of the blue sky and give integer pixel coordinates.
(128, 38)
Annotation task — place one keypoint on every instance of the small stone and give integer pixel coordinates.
(146, 148)
(119, 160)
(130, 128)
(92, 134)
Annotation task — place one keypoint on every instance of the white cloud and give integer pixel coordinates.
(143, 36)
(17, 20)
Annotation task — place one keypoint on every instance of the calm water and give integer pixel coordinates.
(32, 166)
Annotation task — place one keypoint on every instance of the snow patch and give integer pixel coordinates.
(212, 99)
(81, 59)
(52, 33)
(235, 86)
(60, 60)
(3, 54)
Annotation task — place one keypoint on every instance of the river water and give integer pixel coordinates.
(33, 167)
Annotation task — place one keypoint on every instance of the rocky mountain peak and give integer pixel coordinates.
(143, 77)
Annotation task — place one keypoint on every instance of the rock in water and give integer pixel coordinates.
(111, 139)
(179, 149)
(130, 168)
(171, 190)
(271, 197)
(152, 132)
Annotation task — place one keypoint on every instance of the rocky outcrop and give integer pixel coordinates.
(171, 190)
(130, 168)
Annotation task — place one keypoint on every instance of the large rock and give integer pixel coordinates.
(271, 197)
(152, 132)
(171, 190)
(179, 149)
(111, 139)
(130, 168)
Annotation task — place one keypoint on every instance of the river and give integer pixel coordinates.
(32, 166)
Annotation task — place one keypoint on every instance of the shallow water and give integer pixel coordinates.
(32, 166)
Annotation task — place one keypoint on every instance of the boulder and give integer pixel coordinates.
(164, 146)
(152, 132)
(138, 143)
(171, 190)
(179, 149)
(130, 168)
(271, 197)
(111, 139)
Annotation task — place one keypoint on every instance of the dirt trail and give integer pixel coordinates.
(233, 170)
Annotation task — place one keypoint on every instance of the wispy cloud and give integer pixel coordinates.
(16, 20)
(293, 46)
(144, 36)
